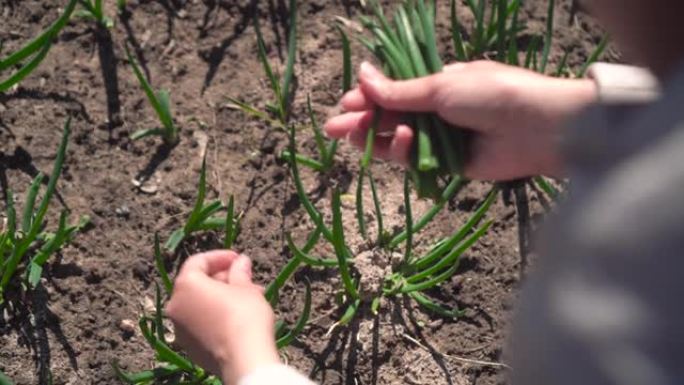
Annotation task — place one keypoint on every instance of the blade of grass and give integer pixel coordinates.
(250, 110)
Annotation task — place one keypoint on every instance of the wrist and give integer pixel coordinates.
(249, 359)
(573, 95)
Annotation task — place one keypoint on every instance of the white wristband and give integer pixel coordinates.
(275, 374)
(623, 84)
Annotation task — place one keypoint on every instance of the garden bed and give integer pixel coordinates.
(78, 322)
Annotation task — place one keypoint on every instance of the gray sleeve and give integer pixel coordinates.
(602, 306)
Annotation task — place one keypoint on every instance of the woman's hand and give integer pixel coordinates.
(221, 318)
(515, 114)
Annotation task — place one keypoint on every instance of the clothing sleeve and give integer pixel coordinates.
(276, 374)
(624, 84)
(602, 306)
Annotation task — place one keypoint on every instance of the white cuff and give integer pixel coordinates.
(275, 374)
(623, 84)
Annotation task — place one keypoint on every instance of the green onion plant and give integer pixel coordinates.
(160, 101)
(411, 274)
(26, 246)
(94, 9)
(203, 217)
(29, 57)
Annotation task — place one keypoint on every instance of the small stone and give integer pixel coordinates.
(123, 212)
(127, 326)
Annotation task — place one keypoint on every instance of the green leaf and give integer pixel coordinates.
(4, 380)
(455, 185)
(454, 240)
(434, 307)
(42, 40)
(230, 233)
(161, 267)
(340, 246)
(263, 58)
(600, 48)
(346, 60)
(27, 218)
(360, 215)
(301, 323)
(452, 259)
(174, 240)
(24, 71)
(145, 377)
(145, 133)
(378, 210)
(301, 255)
(291, 58)
(548, 40)
(252, 111)
(159, 101)
(459, 46)
(164, 352)
(409, 218)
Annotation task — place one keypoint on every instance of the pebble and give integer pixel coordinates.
(127, 326)
(123, 212)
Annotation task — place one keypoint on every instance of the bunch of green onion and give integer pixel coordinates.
(406, 47)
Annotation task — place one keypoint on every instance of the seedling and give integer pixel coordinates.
(161, 103)
(29, 246)
(93, 9)
(203, 218)
(34, 51)
(277, 113)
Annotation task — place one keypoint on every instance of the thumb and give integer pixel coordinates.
(415, 95)
(241, 272)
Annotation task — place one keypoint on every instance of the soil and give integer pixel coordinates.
(80, 319)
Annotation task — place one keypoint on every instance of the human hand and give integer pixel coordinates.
(515, 114)
(221, 318)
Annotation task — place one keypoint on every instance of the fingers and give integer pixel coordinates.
(356, 100)
(240, 272)
(415, 95)
(341, 126)
(396, 147)
(209, 263)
